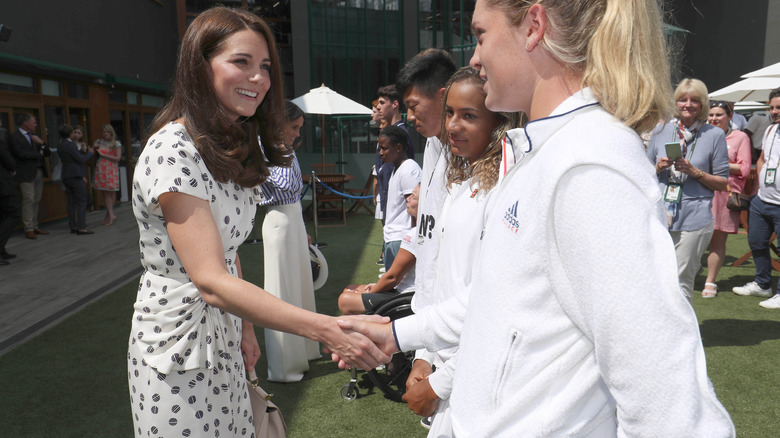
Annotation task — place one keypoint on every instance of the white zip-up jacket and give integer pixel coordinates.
(575, 325)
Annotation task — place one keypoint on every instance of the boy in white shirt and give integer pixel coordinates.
(402, 182)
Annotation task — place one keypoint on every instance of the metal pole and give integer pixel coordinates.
(317, 242)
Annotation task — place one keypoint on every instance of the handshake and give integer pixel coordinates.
(368, 343)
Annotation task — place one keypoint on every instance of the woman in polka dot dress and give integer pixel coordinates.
(194, 190)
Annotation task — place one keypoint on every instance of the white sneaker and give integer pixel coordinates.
(753, 289)
(772, 303)
(382, 269)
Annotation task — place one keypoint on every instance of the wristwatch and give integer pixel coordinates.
(699, 174)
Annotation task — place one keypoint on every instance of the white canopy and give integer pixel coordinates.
(753, 88)
(323, 100)
(768, 71)
(747, 105)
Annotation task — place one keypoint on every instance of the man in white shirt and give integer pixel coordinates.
(421, 82)
(765, 211)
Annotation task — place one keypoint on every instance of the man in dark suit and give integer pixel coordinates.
(9, 202)
(74, 177)
(28, 150)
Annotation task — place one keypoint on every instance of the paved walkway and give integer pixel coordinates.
(56, 275)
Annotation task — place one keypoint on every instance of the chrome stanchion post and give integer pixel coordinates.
(317, 242)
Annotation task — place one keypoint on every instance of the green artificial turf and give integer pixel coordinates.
(71, 380)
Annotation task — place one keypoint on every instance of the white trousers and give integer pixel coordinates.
(690, 246)
(287, 269)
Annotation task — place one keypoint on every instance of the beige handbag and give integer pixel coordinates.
(268, 419)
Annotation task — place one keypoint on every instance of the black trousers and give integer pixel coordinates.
(10, 212)
(76, 192)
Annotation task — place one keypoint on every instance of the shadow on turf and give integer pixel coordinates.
(738, 332)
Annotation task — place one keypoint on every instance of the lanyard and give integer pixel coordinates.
(771, 146)
(685, 143)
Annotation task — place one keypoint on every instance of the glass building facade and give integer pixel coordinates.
(446, 24)
(355, 46)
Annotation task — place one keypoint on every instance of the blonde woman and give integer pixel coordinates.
(106, 180)
(691, 163)
(576, 326)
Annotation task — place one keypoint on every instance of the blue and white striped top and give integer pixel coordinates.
(283, 186)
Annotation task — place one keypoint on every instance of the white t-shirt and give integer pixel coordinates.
(407, 282)
(432, 195)
(378, 210)
(401, 184)
(771, 147)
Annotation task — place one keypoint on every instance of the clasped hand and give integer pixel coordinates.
(420, 396)
(372, 334)
(680, 164)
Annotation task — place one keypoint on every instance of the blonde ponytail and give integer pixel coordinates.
(616, 45)
(627, 67)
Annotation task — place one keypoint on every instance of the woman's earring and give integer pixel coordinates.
(527, 44)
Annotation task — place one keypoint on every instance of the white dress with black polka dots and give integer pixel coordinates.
(186, 374)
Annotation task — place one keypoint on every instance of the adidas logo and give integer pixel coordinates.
(510, 218)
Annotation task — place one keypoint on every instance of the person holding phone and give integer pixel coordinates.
(691, 163)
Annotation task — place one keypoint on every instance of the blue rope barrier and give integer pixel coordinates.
(342, 194)
(305, 189)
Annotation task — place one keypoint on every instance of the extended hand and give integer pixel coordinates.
(354, 348)
(421, 398)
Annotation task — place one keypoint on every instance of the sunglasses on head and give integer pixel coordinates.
(720, 103)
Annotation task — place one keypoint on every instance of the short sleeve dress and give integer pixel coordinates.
(185, 370)
(107, 171)
(739, 152)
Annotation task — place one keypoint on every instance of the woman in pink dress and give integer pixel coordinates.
(107, 170)
(726, 221)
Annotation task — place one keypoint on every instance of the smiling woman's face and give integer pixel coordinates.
(688, 109)
(468, 122)
(241, 73)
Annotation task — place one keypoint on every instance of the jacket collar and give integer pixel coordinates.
(530, 138)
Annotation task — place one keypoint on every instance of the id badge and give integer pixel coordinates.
(673, 193)
(771, 174)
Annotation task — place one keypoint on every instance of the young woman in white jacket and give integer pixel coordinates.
(575, 324)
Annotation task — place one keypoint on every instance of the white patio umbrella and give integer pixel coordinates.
(746, 105)
(768, 71)
(755, 88)
(324, 101)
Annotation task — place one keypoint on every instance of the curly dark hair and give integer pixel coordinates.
(485, 169)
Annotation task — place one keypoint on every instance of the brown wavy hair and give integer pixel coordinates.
(229, 148)
(485, 169)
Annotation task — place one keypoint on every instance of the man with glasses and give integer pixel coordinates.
(765, 211)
